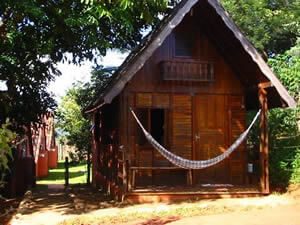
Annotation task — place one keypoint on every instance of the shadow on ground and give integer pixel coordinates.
(159, 221)
(8, 208)
(76, 199)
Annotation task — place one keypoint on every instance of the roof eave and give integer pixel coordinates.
(256, 57)
(147, 51)
(129, 68)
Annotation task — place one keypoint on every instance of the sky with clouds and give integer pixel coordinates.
(72, 73)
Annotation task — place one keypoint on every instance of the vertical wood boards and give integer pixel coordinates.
(181, 139)
(237, 125)
(264, 142)
(192, 109)
(210, 137)
(149, 78)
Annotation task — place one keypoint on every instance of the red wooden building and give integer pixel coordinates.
(33, 155)
(190, 82)
(44, 146)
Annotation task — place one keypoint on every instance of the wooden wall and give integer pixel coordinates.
(187, 104)
(220, 102)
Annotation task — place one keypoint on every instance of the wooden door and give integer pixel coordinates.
(209, 136)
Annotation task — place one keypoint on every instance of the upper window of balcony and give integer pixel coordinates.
(184, 44)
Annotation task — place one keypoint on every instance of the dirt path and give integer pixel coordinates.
(53, 204)
(84, 206)
(43, 207)
(280, 215)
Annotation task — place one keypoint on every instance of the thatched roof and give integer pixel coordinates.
(228, 32)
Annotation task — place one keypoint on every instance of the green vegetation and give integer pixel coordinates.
(75, 126)
(71, 119)
(284, 124)
(73, 123)
(36, 35)
(6, 136)
(78, 174)
(273, 27)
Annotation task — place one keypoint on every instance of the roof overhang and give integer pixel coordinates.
(136, 60)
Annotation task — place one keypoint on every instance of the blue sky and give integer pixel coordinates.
(72, 73)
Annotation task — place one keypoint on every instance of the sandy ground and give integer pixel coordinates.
(54, 206)
(280, 215)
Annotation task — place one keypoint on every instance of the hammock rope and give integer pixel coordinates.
(193, 164)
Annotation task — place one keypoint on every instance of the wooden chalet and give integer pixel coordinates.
(190, 82)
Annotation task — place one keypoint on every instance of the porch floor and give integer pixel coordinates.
(170, 193)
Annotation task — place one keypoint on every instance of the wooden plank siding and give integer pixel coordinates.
(237, 124)
(209, 109)
(147, 89)
(210, 136)
(192, 98)
(181, 131)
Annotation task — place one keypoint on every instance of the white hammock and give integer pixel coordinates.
(194, 164)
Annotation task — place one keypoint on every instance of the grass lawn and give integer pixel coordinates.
(78, 174)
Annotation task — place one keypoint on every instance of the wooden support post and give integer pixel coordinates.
(133, 179)
(88, 178)
(67, 172)
(264, 142)
(129, 179)
(124, 172)
(100, 149)
(190, 178)
(94, 147)
(30, 149)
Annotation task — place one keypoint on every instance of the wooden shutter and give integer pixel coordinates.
(144, 100)
(237, 125)
(181, 140)
(161, 100)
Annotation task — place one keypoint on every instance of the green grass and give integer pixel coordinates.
(77, 173)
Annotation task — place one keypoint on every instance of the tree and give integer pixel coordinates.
(284, 124)
(90, 91)
(272, 25)
(74, 126)
(36, 34)
(6, 137)
(72, 121)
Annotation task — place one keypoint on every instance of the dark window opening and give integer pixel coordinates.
(157, 125)
(144, 118)
(153, 121)
(184, 44)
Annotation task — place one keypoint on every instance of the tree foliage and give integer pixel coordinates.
(272, 25)
(287, 67)
(284, 124)
(72, 120)
(6, 137)
(74, 126)
(35, 35)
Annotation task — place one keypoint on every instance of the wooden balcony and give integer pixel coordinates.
(187, 70)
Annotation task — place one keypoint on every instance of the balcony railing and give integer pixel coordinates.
(188, 70)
